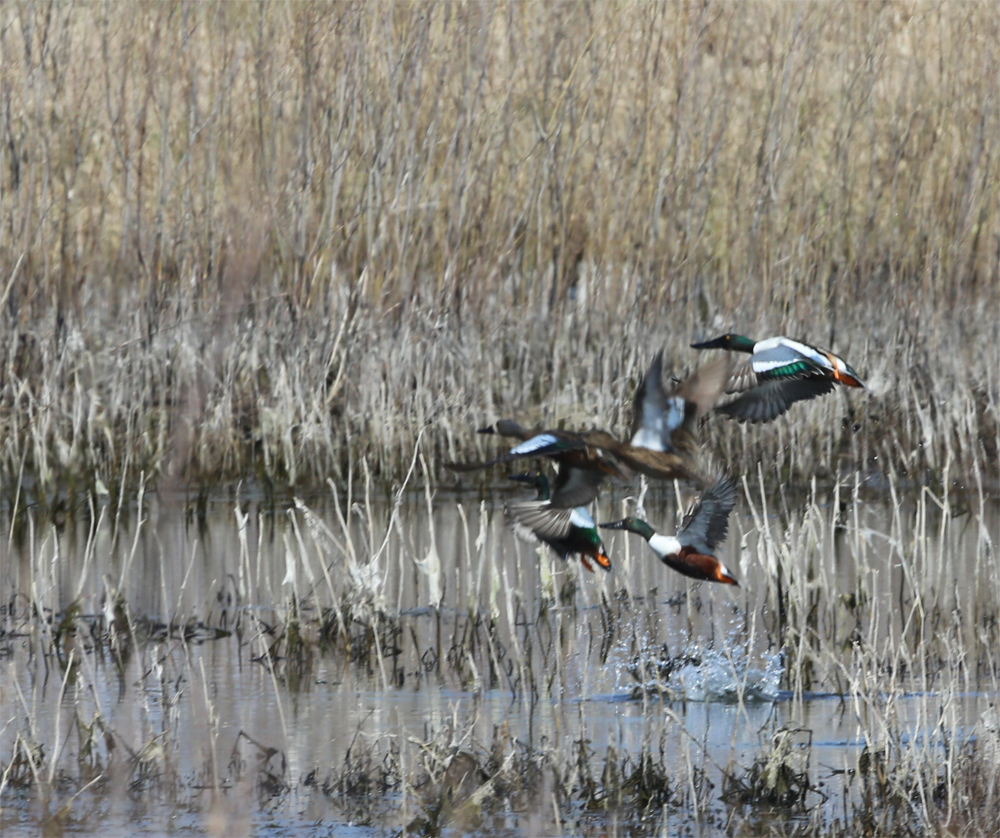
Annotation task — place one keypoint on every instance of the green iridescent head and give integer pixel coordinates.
(632, 524)
(536, 479)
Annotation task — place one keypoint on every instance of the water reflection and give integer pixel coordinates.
(844, 605)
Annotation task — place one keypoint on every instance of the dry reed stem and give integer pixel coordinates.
(273, 240)
(904, 647)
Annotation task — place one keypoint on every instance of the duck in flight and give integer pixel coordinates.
(568, 530)
(691, 551)
(662, 442)
(780, 372)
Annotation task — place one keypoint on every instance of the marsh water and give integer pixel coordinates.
(422, 630)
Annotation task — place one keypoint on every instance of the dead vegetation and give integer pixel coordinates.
(115, 707)
(267, 242)
(281, 244)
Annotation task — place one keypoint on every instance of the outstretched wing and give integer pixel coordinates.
(782, 357)
(702, 389)
(743, 378)
(660, 419)
(667, 422)
(654, 416)
(539, 520)
(576, 486)
(707, 522)
(773, 398)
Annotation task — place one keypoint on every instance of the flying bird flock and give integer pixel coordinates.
(663, 445)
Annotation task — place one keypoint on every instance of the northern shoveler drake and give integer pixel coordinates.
(704, 527)
(780, 372)
(567, 530)
(662, 443)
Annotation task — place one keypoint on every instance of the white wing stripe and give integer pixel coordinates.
(770, 343)
(647, 438)
(807, 351)
(534, 444)
(765, 366)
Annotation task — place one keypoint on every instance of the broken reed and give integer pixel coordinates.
(272, 239)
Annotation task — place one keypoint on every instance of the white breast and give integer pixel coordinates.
(665, 545)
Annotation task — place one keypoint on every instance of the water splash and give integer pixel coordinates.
(703, 672)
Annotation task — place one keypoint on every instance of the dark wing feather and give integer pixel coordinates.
(707, 522)
(650, 400)
(538, 520)
(576, 487)
(743, 378)
(772, 398)
(703, 388)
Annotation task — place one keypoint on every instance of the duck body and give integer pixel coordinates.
(780, 372)
(593, 450)
(569, 531)
(690, 551)
(584, 450)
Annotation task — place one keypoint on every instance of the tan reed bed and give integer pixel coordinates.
(269, 240)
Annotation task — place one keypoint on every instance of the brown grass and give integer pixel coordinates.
(275, 239)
